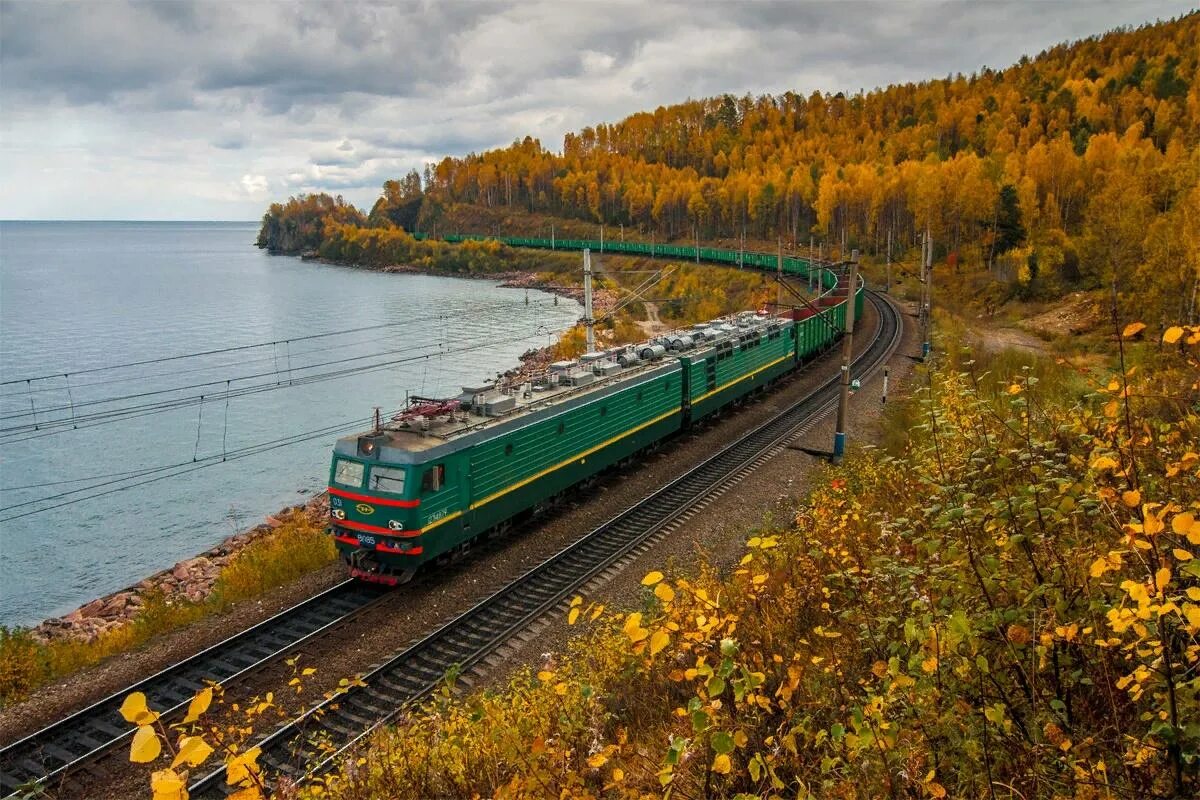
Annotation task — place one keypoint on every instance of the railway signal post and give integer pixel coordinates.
(839, 436)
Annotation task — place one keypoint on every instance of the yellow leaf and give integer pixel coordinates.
(664, 592)
(1111, 408)
(199, 704)
(1014, 388)
(560, 689)
(721, 764)
(652, 578)
(1182, 524)
(618, 775)
(1172, 334)
(658, 641)
(1104, 462)
(243, 769)
(1099, 567)
(1162, 578)
(167, 784)
(545, 675)
(193, 751)
(576, 600)
(633, 628)
(930, 664)
(935, 789)
(597, 760)
(1152, 523)
(1131, 498)
(134, 710)
(597, 611)
(249, 793)
(1193, 593)
(145, 746)
(1181, 554)
(308, 671)
(1133, 329)
(1192, 613)
(573, 615)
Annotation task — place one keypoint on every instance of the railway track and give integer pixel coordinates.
(472, 637)
(77, 741)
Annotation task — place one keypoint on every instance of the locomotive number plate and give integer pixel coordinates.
(366, 540)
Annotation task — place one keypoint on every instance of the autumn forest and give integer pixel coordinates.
(1068, 170)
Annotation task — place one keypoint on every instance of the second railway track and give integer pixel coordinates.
(76, 741)
(473, 636)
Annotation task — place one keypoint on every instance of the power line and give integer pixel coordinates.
(183, 468)
(79, 422)
(218, 351)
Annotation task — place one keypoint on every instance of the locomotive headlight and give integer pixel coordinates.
(395, 524)
(338, 513)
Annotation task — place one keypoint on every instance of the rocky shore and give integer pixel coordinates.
(190, 581)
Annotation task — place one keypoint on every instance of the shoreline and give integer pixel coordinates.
(507, 279)
(191, 580)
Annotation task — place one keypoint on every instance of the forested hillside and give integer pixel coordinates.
(1063, 171)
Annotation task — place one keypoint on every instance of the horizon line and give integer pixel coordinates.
(111, 220)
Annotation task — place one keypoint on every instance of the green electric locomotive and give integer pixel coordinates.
(443, 472)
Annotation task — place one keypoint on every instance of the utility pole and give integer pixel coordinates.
(696, 232)
(811, 264)
(742, 249)
(926, 294)
(601, 237)
(551, 237)
(779, 277)
(839, 436)
(588, 322)
(889, 267)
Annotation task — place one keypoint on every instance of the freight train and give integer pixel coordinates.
(442, 472)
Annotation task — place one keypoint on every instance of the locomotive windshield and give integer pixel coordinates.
(387, 479)
(348, 473)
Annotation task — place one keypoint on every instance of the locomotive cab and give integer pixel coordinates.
(374, 511)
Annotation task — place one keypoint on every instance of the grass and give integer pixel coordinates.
(297, 547)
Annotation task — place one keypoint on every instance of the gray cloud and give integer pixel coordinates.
(204, 108)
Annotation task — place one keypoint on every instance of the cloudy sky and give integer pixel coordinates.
(209, 110)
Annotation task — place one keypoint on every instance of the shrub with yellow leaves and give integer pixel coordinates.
(1008, 604)
(193, 740)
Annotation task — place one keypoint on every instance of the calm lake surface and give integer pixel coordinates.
(77, 298)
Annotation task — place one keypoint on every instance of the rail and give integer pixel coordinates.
(346, 719)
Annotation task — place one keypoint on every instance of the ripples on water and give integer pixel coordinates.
(75, 296)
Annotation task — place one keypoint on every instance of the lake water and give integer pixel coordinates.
(124, 466)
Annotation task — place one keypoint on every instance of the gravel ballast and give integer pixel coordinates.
(718, 531)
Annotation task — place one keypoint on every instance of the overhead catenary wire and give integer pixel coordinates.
(66, 374)
(36, 429)
(96, 419)
(181, 468)
(217, 381)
